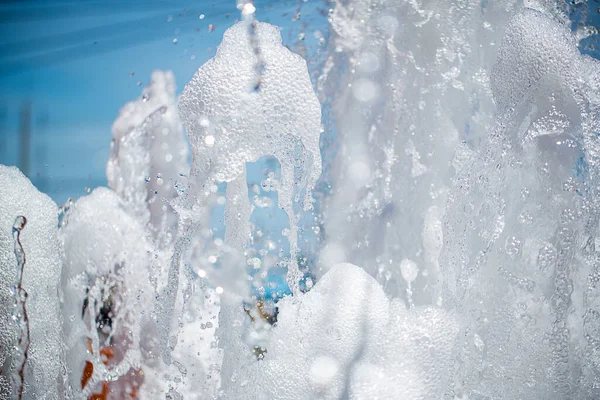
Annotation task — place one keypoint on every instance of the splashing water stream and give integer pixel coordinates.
(455, 213)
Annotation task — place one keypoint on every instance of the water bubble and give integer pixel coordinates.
(512, 246)
(365, 90)
(209, 140)
(409, 270)
(19, 223)
(388, 24)
(368, 62)
(248, 9)
(360, 173)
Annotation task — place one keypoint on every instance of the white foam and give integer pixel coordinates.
(534, 46)
(243, 119)
(149, 155)
(509, 263)
(41, 280)
(408, 82)
(344, 336)
(246, 124)
(105, 249)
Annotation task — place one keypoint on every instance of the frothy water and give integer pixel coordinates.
(455, 227)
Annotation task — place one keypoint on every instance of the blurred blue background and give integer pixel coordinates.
(67, 67)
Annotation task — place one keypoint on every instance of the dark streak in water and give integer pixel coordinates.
(20, 300)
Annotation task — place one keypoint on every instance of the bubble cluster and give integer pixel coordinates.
(41, 280)
(149, 154)
(229, 122)
(345, 336)
(106, 283)
(233, 117)
(509, 263)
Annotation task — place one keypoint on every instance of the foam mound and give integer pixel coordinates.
(534, 46)
(41, 280)
(106, 265)
(235, 112)
(344, 338)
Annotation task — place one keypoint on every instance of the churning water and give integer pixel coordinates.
(431, 198)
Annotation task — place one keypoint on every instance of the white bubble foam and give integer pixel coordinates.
(41, 279)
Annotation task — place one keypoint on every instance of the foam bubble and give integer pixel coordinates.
(41, 280)
(282, 112)
(344, 336)
(106, 267)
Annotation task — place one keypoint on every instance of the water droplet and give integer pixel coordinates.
(248, 9)
(512, 246)
(209, 140)
(19, 223)
(409, 270)
(365, 90)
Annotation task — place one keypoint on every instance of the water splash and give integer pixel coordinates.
(229, 124)
(463, 182)
(149, 157)
(29, 290)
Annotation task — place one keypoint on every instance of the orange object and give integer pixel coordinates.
(88, 345)
(100, 396)
(106, 353)
(88, 371)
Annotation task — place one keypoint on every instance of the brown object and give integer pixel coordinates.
(100, 396)
(106, 353)
(88, 345)
(88, 371)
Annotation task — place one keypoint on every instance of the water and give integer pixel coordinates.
(428, 194)
(31, 269)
